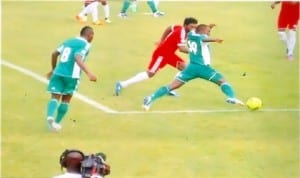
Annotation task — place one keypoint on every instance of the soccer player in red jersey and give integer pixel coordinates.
(172, 39)
(288, 19)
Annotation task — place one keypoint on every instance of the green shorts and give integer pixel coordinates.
(193, 71)
(62, 85)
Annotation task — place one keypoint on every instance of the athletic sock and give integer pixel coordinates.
(152, 6)
(94, 11)
(137, 78)
(283, 37)
(125, 7)
(106, 11)
(227, 90)
(51, 108)
(291, 42)
(61, 111)
(160, 92)
(156, 2)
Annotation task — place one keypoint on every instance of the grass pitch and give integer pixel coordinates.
(242, 144)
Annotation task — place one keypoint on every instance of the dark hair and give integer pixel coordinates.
(190, 20)
(85, 30)
(64, 158)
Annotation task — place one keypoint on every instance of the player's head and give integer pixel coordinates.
(87, 32)
(203, 29)
(190, 23)
(71, 160)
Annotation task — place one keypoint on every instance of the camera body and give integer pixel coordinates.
(94, 166)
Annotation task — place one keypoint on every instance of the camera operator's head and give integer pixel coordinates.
(71, 160)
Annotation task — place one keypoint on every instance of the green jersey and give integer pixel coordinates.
(199, 50)
(67, 66)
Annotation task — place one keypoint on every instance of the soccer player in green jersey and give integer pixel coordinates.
(199, 67)
(153, 4)
(65, 74)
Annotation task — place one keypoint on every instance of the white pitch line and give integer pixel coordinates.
(44, 80)
(207, 111)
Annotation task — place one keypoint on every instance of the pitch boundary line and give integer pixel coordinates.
(77, 95)
(106, 109)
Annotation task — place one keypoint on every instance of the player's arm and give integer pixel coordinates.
(83, 67)
(167, 31)
(273, 5)
(208, 40)
(183, 49)
(54, 57)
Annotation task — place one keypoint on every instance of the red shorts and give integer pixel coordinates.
(288, 20)
(159, 60)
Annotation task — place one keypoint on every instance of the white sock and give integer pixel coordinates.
(106, 10)
(83, 12)
(93, 9)
(283, 36)
(135, 79)
(156, 2)
(291, 42)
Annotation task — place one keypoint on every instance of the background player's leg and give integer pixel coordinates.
(126, 5)
(291, 42)
(94, 12)
(106, 10)
(154, 9)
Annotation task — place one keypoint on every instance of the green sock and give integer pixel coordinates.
(227, 90)
(152, 5)
(61, 112)
(160, 92)
(51, 107)
(125, 7)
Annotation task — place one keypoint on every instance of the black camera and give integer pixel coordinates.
(94, 165)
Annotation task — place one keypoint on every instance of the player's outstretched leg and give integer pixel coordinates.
(148, 100)
(229, 92)
(135, 79)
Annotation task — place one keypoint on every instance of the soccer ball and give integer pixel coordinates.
(254, 103)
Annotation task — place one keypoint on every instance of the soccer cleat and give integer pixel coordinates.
(98, 22)
(173, 93)
(123, 15)
(81, 19)
(56, 126)
(52, 125)
(235, 101)
(107, 20)
(118, 88)
(147, 103)
(290, 57)
(158, 14)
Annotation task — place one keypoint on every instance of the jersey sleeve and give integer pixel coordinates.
(60, 48)
(181, 37)
(83, 50)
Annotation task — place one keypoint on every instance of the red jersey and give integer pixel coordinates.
(290, 7)
(289, 15)
(174, 39)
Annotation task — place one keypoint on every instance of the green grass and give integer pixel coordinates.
(211, 145)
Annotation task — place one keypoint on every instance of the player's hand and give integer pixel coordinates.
(272, 5)
(49, 74)
(92, 77)
(219, 40)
